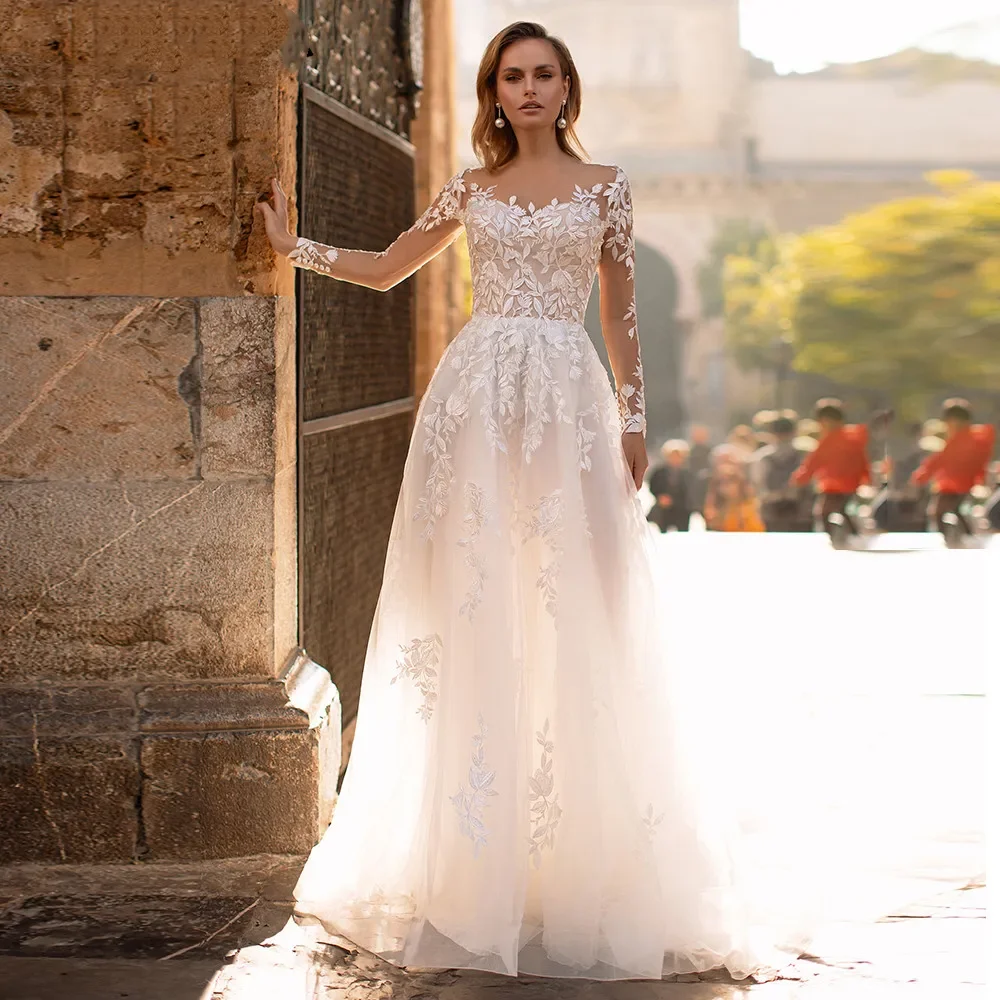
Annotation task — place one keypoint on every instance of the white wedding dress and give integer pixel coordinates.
(524, 793)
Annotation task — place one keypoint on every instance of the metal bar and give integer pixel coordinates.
(334, 106)
(367, 413)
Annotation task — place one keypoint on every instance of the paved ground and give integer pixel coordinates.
(217, 931)
(906, 659)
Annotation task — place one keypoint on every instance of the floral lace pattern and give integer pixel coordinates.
(419, 664)
(313, 256)
(507, 370)
(546, 522)
(544, 803)
(477, 513)
(470, 803)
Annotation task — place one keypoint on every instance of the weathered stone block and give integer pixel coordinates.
(67, 711)
(68, 799)
(238, 386)
(95, 378)
(137, 580)
(228, 795)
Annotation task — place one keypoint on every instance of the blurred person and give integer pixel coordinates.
(880, 499)
(731, 504)
(761, 423)
(670, 484)
(743, 438)
(783, 507)
(959, 466)
(991, 507)
(909, 501)
(839, 465)
(806, 434)
(699, 464)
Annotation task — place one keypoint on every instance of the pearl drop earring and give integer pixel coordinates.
(499, 120)
(562, 123)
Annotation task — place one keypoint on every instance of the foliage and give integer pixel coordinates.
(735, 237)
(904, 295)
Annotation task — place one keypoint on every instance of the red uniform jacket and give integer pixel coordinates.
(961, 464)
(839, 463)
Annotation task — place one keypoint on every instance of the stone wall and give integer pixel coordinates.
(147, 438)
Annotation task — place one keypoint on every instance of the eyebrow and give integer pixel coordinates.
(517, 69)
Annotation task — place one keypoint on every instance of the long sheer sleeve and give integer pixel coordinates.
(425, 239)
(619, 322)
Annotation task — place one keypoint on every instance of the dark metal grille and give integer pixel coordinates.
(352, 477)
(357, 192)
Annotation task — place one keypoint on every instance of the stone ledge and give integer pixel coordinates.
(238, 705)
(123, 709)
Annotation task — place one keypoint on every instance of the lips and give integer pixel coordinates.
(531, 107)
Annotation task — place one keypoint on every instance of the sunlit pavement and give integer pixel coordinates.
(853, 695)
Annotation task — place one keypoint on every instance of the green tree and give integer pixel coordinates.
(904, 296)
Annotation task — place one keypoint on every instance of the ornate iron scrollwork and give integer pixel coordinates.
(366, 54)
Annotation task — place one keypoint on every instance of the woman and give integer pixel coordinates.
(517, 798)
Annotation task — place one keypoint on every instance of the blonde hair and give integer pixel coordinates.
(496, 147)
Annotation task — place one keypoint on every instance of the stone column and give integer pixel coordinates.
(438, 283)
(147, 441)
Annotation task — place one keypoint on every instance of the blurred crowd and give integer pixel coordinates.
(784, 473)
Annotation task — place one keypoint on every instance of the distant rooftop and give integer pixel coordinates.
(934, 67)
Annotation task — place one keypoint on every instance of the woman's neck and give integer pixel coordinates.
(538, 147)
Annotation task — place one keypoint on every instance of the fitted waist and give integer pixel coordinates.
(515, 320)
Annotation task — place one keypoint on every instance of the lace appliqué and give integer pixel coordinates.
(620, 242)
(585, 436)
(314, 256)
(471, 803)
(546, 523)
(511, 368)
(419, 664)
(533, 262)
(477, 513)
(544, 805)
(651, 821)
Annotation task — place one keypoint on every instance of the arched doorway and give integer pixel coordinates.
(660, 335)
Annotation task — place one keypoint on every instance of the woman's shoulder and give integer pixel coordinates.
(607, 173)
(477, 175)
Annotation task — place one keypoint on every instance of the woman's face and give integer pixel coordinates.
(530, 85)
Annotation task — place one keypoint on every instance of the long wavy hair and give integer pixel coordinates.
(496, 147)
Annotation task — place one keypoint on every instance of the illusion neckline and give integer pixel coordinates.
(489, 192)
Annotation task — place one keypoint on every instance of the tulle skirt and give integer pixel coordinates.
(535, 785)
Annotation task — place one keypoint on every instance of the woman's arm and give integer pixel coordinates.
(620, 325)
(619, 322)
(425, 239)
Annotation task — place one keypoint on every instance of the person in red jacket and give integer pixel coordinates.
(839, 463)
(960, 465)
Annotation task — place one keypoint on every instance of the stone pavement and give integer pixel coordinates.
(219, 931)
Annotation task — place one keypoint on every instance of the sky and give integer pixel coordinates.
(805, 35)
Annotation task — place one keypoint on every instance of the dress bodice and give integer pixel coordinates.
(527, 263)
(534, 262)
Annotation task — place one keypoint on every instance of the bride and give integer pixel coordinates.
(520, 797)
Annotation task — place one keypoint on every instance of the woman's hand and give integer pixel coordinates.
(276, 220)
(634, 446)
